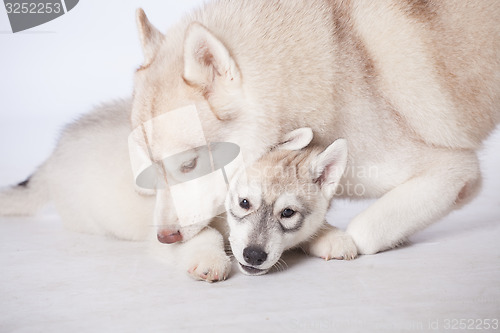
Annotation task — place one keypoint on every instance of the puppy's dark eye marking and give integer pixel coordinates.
(287, 213)
(245, 204)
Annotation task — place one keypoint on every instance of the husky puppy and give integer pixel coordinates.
(281, 200)
(413, 86)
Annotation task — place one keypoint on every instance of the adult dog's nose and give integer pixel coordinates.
(169, 236)
(255, 256)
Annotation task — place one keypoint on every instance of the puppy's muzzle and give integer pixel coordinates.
(254, 256)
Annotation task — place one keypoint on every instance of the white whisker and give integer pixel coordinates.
(283, 263)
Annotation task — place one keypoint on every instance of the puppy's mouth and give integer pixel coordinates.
(249, 270)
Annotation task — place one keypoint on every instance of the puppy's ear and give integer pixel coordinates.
(207, 61)
(297, 139)
(329, 166)
(150, 36)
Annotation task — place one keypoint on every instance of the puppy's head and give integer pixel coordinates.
(282, 199)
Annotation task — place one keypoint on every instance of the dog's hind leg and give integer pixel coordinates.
(445, 182)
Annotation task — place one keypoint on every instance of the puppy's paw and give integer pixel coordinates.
(333, 244)
(210, 266)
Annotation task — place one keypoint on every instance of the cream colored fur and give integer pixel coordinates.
(414, 87)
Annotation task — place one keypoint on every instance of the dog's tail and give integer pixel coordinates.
(25, 198)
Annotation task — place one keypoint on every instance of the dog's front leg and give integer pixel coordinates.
(203, 256)
(444, 182)
(331, 243)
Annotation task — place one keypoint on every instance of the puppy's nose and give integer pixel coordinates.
(169, 236)
(255, 256)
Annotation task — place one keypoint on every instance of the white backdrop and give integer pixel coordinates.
(52, 73)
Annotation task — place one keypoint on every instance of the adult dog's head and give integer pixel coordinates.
(282, 199)
(190, 69)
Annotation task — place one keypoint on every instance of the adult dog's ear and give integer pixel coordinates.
(329, 166)
(297, 139)
(207, 62)
(150, 36)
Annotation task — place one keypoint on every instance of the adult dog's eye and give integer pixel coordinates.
(245, 204)
(287, 213)
(189, 165)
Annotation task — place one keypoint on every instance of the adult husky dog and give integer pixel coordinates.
(414, 87)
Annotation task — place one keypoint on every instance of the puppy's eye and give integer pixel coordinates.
(245, 204)
(189, 165)
(287, 213)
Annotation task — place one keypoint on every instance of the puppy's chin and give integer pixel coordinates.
(248, 270)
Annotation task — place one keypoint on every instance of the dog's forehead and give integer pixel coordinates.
(249, 187)
(158, 138)
(152, 100)
(159, 87)
(283, 172)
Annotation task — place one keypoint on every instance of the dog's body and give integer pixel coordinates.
(414, 87)
(86, 180)
(280, 202)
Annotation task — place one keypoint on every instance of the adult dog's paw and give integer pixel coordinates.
(333, 244)
(210, 266)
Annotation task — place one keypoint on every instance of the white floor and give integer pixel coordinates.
(53, 280)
